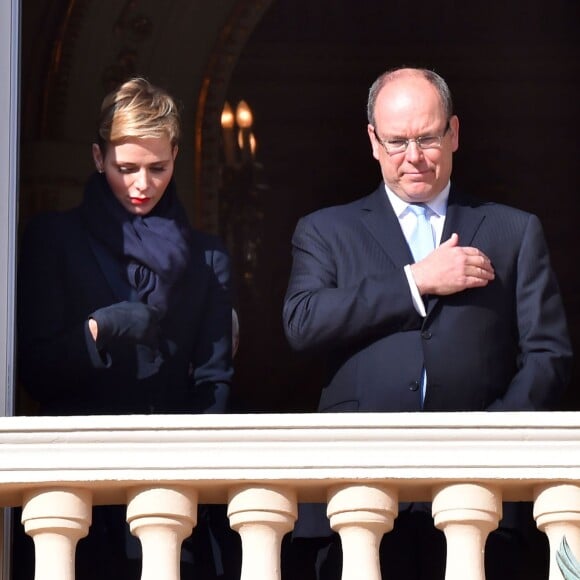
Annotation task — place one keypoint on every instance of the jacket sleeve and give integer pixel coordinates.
(545, 351)
(333, 300)
(212, 359)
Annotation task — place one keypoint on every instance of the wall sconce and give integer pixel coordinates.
(244, 117)
(227, 122)
(245, 140)
(242, 182)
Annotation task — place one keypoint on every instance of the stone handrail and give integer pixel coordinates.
(162, 466)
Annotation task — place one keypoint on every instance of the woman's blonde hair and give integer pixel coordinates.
(138, 109)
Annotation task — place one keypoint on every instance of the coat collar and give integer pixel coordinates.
(379, 218)
(464, 217)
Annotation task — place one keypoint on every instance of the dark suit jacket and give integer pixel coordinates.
(501, 347)
(62, 279)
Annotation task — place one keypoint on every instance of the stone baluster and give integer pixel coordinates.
(361, 514)
(161, 517)
(262, 515)
(56, 519)
(557, 514)
(467, 513)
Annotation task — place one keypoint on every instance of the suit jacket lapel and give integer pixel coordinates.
(464, 217)
(379, 218)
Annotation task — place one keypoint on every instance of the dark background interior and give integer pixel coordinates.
(514, 69)
(305, 71)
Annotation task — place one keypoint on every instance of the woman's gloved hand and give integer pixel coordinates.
(126, 322)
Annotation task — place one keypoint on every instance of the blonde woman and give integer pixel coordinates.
(123, 306)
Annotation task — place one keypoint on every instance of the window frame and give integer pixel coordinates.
(10, 11)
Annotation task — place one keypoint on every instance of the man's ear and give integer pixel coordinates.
(375, 145)
(454, 129)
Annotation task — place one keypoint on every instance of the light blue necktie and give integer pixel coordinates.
(421, 243)
(421, 240)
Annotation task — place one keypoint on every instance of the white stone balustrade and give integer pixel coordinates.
(161, 517)
(557, 513)
(161, 467)
(56, 519)
(361, 514)
(466, 512)
(261, 515)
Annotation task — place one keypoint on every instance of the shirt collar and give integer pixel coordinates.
(437, 205)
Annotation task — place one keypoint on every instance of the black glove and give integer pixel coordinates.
(129, 322)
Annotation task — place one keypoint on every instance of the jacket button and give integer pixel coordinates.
(426, 334)
(414, 386)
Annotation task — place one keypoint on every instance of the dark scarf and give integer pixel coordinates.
(153, 250)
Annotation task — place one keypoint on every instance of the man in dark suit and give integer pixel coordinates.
(478, 324)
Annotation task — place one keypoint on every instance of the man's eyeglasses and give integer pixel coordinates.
(394, 146)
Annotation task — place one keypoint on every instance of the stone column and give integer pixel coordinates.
(361, 514)
(161, 517)
(262, 515)
(466, 512)
(56, 519)
(557, 514)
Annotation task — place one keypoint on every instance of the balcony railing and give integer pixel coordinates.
(161, 467)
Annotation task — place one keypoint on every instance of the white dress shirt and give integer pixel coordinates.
(407, 220)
